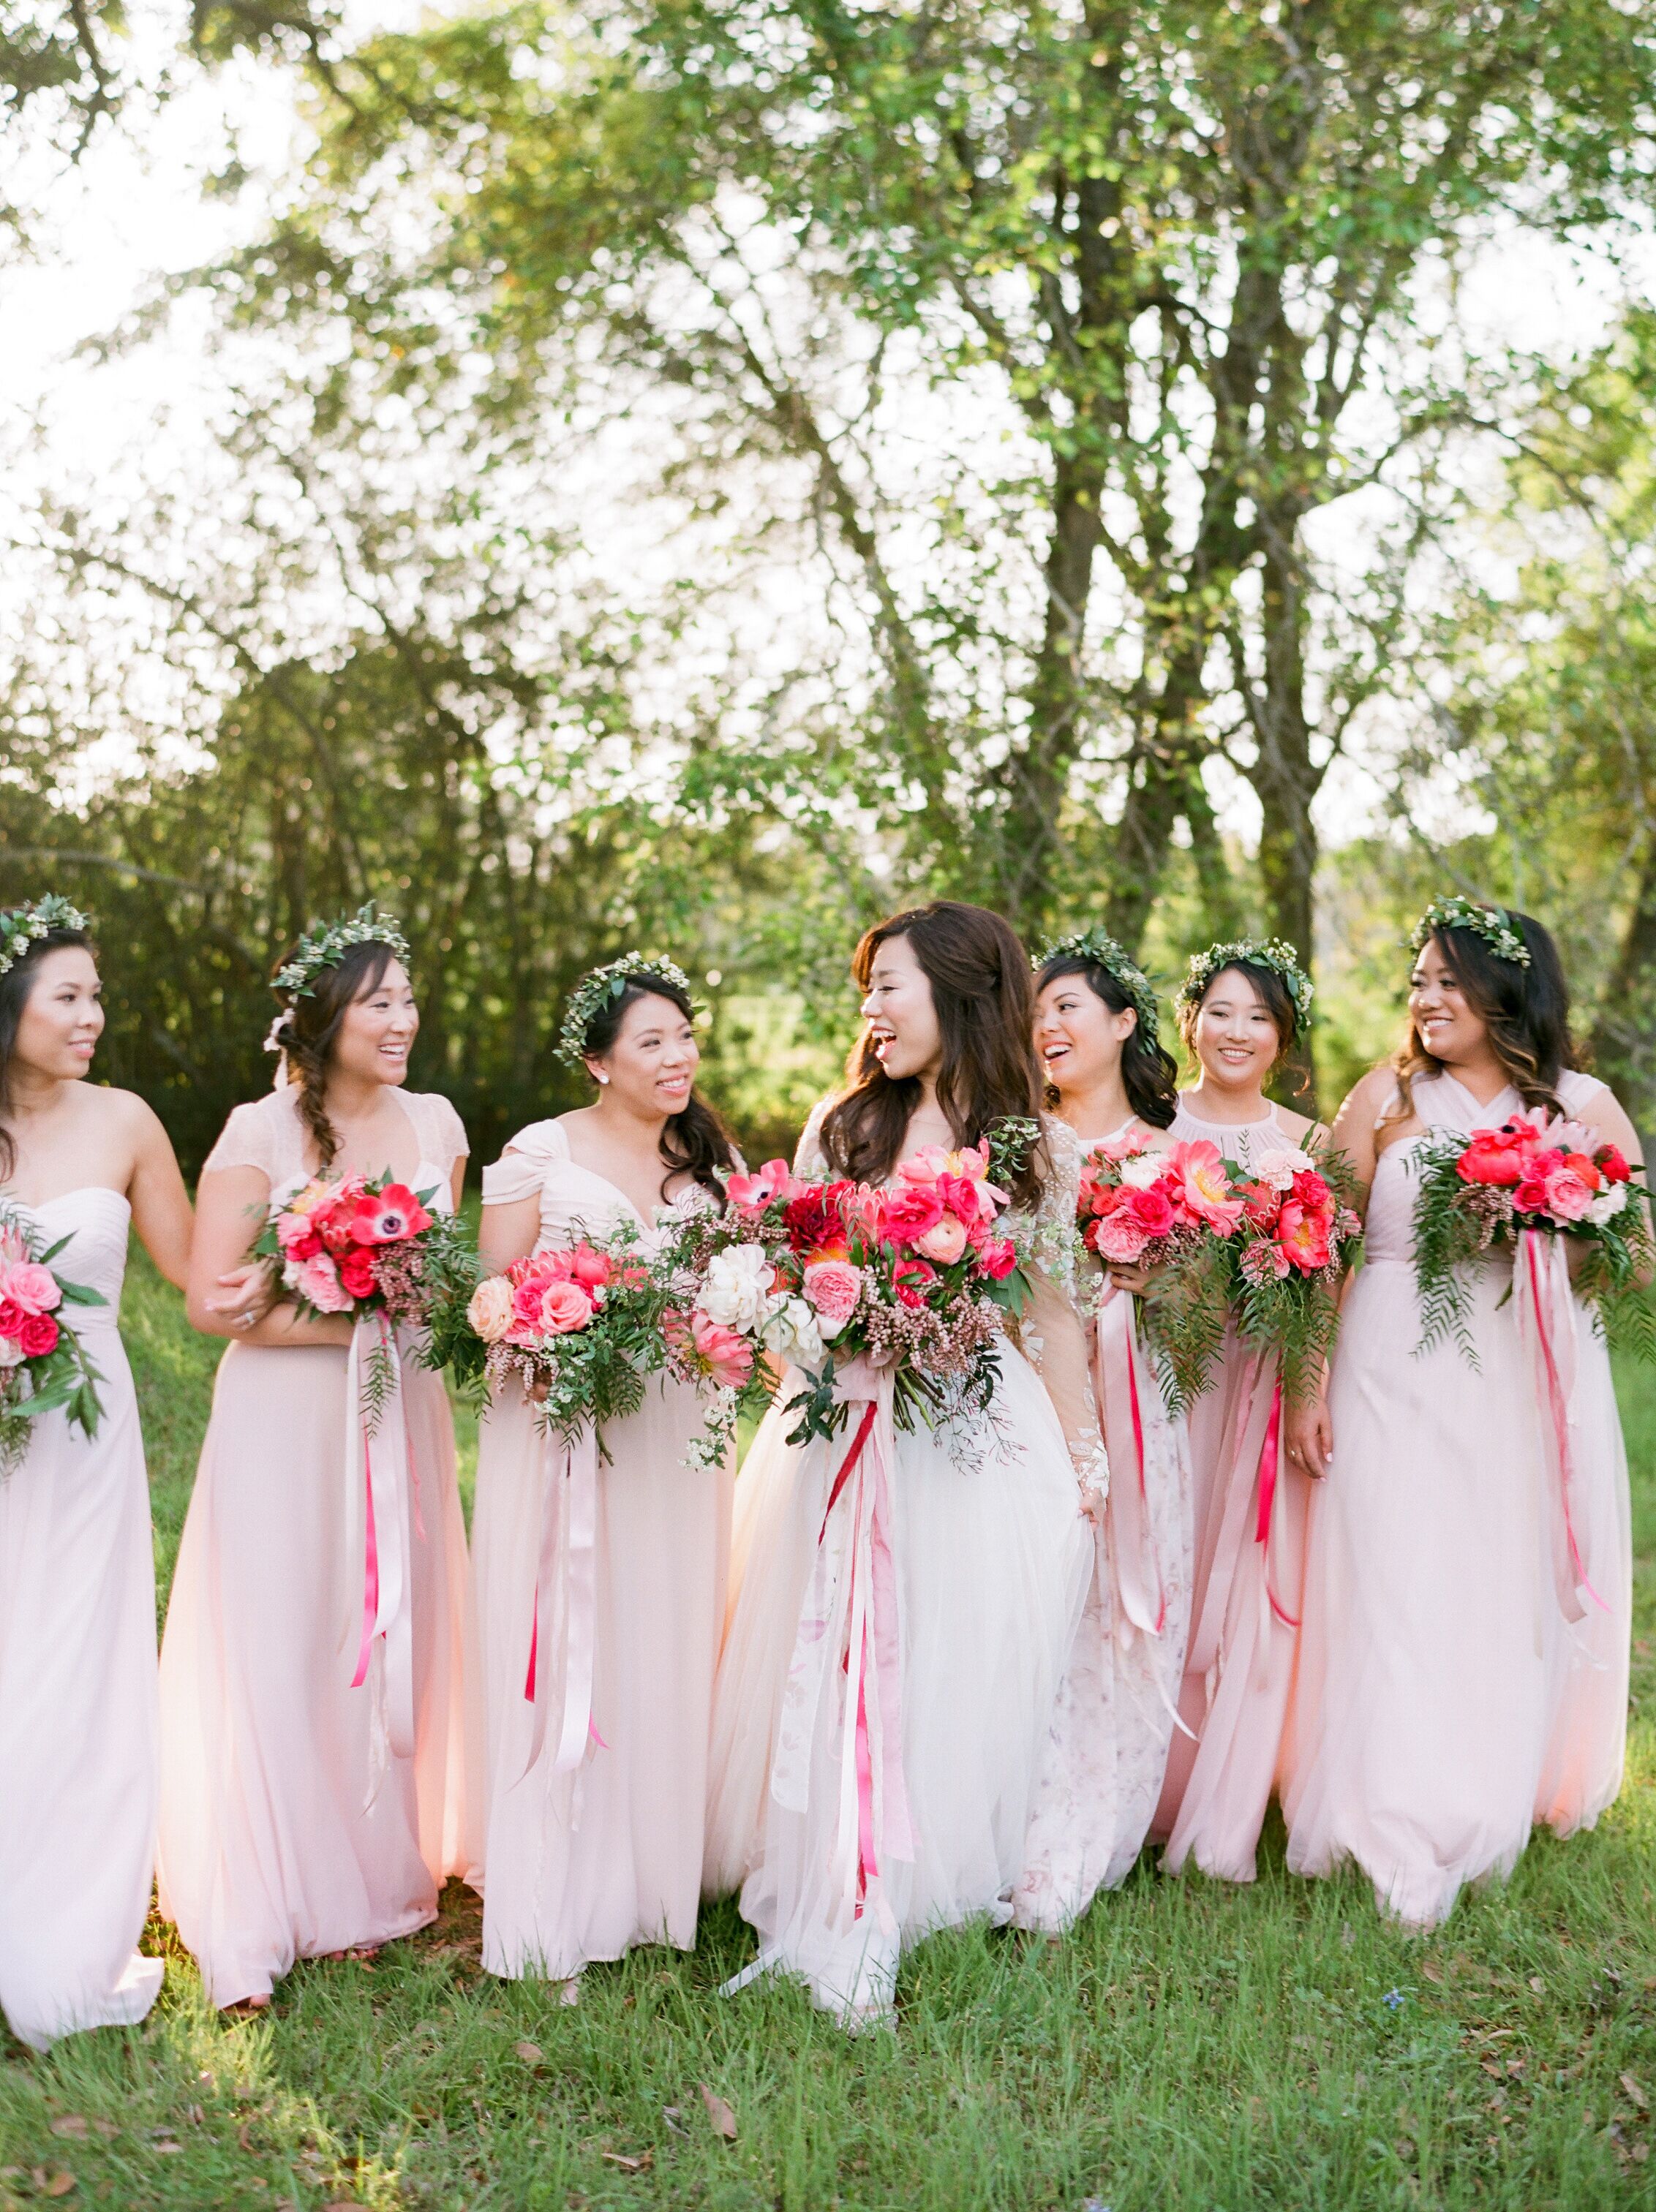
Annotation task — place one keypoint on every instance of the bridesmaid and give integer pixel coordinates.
(980, 1531)
(1461, 1676)
(1110, 1078)
(300, 1816)
(1241, 1010)
(77, 1588)
(593, 1849)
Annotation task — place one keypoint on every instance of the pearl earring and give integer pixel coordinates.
(603, 1078)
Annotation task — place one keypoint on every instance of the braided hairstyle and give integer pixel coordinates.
(307, 1031)
(16, 984)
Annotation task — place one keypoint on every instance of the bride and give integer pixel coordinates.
(989, 1548)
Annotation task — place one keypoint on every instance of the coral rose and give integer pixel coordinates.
(489, 1313)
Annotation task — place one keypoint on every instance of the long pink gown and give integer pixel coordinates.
(292, 1825)
(1246, 1600)
(77, 1681)
(1446, 1701)
(583, 1861)
(1113, 1718)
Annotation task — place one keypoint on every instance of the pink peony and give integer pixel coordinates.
(728, 1358)
(1120, 1238)
(33, 1287)
(1302, 1234)
(945, 1242)
(38, 1335)
(1569, 1193)
(1493, 1155)
(831, 1289)
(563, 1307)
(912, 1212)
(1198, 1171)
(318, 1282)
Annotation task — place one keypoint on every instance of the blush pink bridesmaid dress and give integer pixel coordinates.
(1454, 1687)
(291, 1825)
(584, 1859)
(77, 1682)
(1246, 1597)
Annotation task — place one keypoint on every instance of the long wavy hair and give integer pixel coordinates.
(695, 1140)
(1526, 1012)
(310, 1027)
(14, 986)
(983, 996)
(1149, 1072)
(1274, 995)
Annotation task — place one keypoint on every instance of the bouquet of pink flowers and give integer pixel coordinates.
(581, 1326)
(1173, 1213)
(43, 1365)
(1486, 1190)
(1299, 1233)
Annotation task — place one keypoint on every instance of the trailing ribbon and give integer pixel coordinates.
(1132, 1534)
(378, 1488)
(565, 1602)
(1547, 1323)
(850, 1625)
(1250, 1475)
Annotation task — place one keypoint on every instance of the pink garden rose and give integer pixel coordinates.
(38, 1336)
(318, 1282)
(588, 1268)
(831, 1289)
(913, 1210)
(12, 1317)
(1569, 1191)
(564, 1307)
(1120, 1238)
(997, 1258)
(33, 1287)
(1152, 1210)
(356, 1274)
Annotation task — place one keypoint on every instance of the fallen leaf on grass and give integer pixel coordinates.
(245, 2140)
(1433, 1973)
(56, 2183)
(1536, 1983)
(1635, 2093)
(529, 2053)
(719, 2112)
(673, 2114)
(642, 2164)
(69, 2123)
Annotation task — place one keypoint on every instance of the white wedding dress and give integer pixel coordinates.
(78, 1679)
(990, 1553)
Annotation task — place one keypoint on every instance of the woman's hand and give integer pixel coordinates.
(1093, 1503)
(1143, 1282)
(249, 1294)
(1308, 1437)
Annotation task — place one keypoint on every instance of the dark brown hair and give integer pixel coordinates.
(14, 986)
(695, 1139)
(1274, 995)
(1149, 1073)
(1526, 1012)
(983, 996)
(310, 1027)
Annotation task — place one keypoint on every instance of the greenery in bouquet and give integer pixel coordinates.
(43, 1367)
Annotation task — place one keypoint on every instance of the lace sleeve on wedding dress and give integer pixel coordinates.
(1052, 1332)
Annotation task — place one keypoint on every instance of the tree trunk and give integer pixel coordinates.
(1283, 774)
(1622, 1045)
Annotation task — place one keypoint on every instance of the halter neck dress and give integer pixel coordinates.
(1245, 1594)
(1445, 1702)
(78, 1679)
(287, 1829)
(583, 1863)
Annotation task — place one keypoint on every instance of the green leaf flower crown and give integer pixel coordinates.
(1099, 947)
(326, 947)
(595, 990)
(1492, 923)
(1265, 952)
(25, 925)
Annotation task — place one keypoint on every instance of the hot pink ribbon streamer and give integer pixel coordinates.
(1132, 1536)
(850, 1626)
(565, 1602)
(1247, 1491)
(1547, 1316)
(377, 1543)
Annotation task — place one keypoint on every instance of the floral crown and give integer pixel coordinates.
(25, 925)
(1264, 952)
(1102, 950)
(1492, 923)
(595, 990)
(326, 948)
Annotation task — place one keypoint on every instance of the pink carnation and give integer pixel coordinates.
(1264, 1263)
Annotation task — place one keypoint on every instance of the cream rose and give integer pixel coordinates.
(491, 1310)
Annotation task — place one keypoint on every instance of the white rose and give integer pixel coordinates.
(793, 1332)
(1608, 1204)
(736, 1289)
(1279, 1169)
(1142, 1170)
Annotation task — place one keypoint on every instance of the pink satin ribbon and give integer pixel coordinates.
(566, 1580)
(1270, 1467)
(1547, 1314)
(1250, 1476)
(1132, 1536)
(850, 1627)
(378, 1491)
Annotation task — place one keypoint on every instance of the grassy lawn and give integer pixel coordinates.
(1188, 2046)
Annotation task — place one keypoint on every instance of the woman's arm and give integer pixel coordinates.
(231, 1204)
(508, 1233)
(155, 1192)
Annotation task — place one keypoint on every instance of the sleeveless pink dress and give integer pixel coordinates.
(583, 1863)
(1444, 1703)
(288, 1828)
(77, 1681)
(1245, 1598)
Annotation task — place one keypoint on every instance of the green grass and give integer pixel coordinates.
(1188, 2046)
